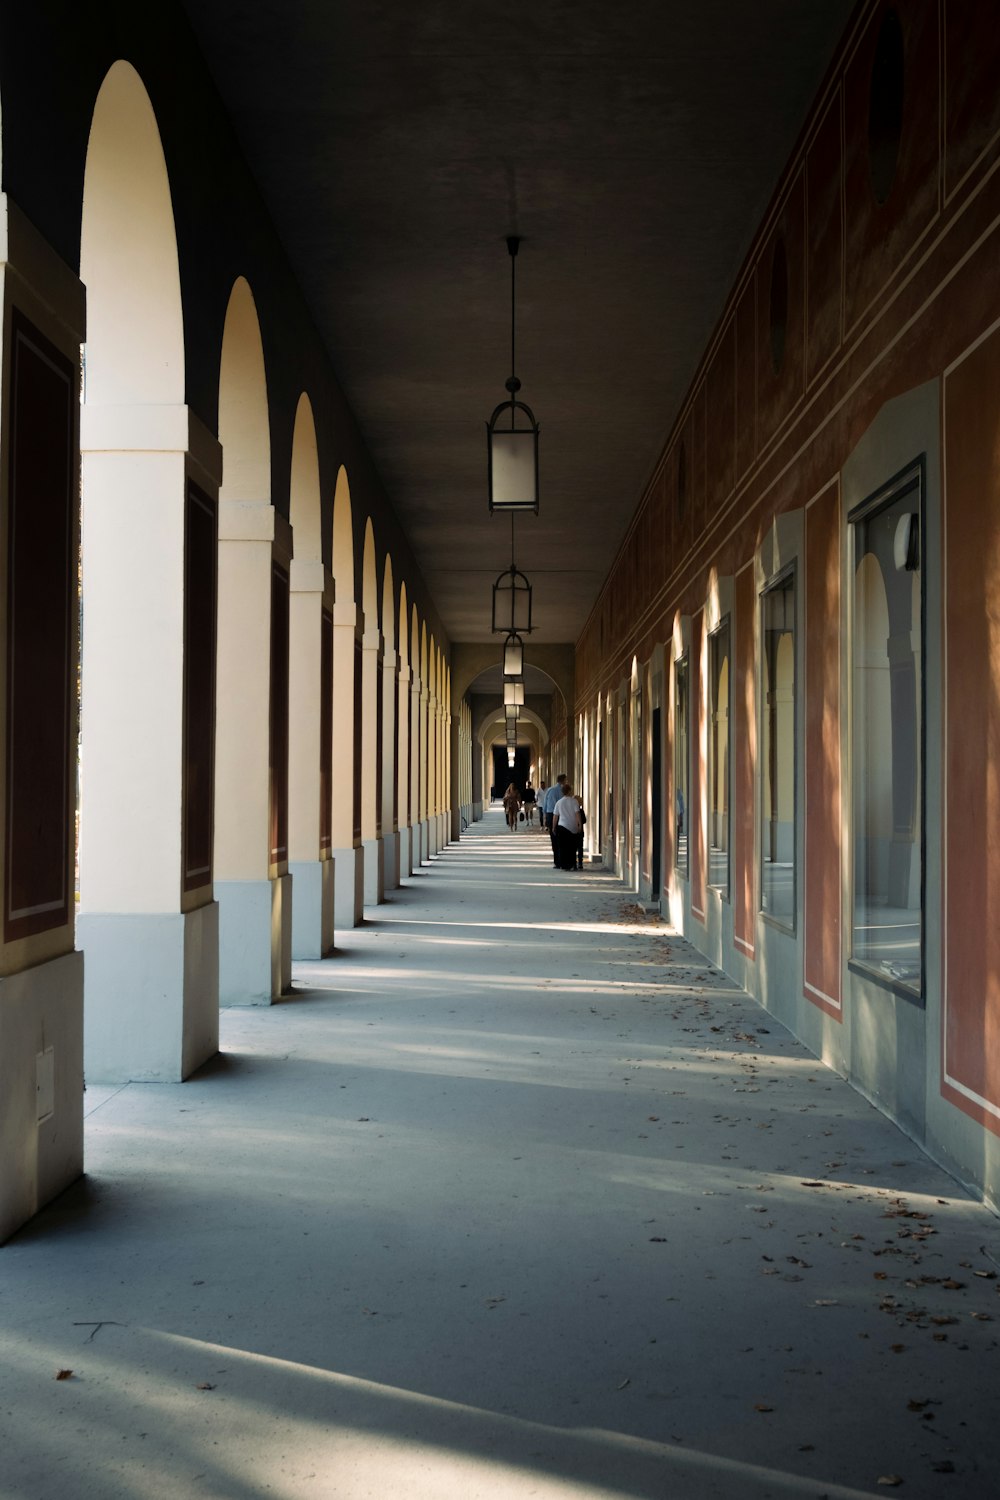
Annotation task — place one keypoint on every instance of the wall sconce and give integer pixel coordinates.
(513, 450)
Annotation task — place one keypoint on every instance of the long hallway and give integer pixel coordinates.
(514, 1197)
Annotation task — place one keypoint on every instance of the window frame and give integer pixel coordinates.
(682, 663)
(911, 477)
(724, 624)
(776, 581)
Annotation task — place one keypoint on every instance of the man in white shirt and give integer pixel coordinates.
(566, 829)
(552, 796)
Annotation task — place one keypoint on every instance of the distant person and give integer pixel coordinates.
(540, 799)
(548, 806)
(579, 837)
(568, 826)
(512, 806)
(529, 804)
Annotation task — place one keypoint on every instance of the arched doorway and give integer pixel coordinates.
(251, 782)
(150, 476)
(310, 703)
(349, 894)
(390, 741)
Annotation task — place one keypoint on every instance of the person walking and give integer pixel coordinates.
(552, 796)
(567, 825)
(512, 806)
(529, 804)
(579, 837)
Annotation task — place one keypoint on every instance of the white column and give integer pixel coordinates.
(309, 863)
(417, 776)
(152, 948)
(371, 770)
(255, 893)
(350, 871)
(390, 829)
(403, 779)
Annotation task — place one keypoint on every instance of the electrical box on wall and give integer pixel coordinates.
(45, 1083)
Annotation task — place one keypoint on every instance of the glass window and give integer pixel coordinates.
(777, 823)
(886, 714)
(718, 761)
(681, 713)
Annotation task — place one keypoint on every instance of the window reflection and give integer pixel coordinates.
(681, 713)
(718, 761)
(886, 703)
(778, 832)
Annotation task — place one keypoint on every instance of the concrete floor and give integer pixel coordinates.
(515, 1197)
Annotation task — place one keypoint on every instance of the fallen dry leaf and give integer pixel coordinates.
(759, 1406)
(64, 1374)
(205, 1385)
(890, 1479)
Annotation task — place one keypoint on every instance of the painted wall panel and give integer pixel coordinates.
(972, 98)
(744, 761)
(696, 811)
(200, 619)
(824, 241)
(278, 738)
(781, 316)
(822, 727)
(40, 599)
(746, 378)
(721, 393)
(326, 731)
(882, 237)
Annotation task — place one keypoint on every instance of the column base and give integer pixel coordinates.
(255, 932)
(373, 855)
(312, 907)
(152, 993)
(41, 1131)
(349, 901)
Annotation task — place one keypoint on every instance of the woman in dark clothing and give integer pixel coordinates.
(566, 829)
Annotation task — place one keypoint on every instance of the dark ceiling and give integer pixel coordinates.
(634, 148)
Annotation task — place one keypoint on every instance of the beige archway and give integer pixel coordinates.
(150, 474)
(251, 781)
(390, 743)
(403, 740)
(346, 814)
(371, 726)
(310, 702)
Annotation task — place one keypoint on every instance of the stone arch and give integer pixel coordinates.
(310, 709)
(390, 743)
(148, 663)
(128, 254)
(371, 724)
(244, 421)
(343, 539)
(346, 813)
(305, 511)
(403, 806)
(251, 783)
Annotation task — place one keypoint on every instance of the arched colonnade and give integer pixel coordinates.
(263, 707)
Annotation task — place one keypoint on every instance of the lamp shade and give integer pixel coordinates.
(513, 692)
(513, 655)
(512, 602)
(513, 459)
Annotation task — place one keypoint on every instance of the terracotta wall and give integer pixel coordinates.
(843, 303)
